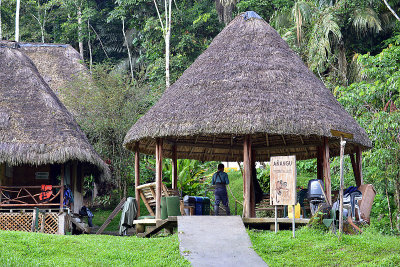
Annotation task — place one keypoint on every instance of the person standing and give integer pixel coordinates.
(220, 180)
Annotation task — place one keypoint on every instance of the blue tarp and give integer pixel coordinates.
(251, 15)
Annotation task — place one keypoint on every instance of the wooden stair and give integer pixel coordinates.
(160, 225)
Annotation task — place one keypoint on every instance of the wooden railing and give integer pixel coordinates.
(27, 196)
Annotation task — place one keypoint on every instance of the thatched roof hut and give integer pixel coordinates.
(35, 127)
(58, 64)
(248, 82)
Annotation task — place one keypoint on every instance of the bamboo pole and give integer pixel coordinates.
(247, 176)
(137, 179)
(174, 168)
(159, 143)
(342, 145)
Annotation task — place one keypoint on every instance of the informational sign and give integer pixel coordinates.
(283, 180)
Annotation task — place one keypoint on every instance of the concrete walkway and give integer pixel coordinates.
(216, 241)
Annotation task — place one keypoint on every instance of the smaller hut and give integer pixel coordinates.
(40, 142)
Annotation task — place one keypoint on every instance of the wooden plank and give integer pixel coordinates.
(247, 176)
(326, 170)
(283, 180)
(272, 220)
(146, 185)
(164, 190)
(159, 144)
(150, 210)
(117, 209)
(137, 179)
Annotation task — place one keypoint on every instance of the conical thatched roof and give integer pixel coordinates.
(35, 127)
(58, 64)
(247, 82)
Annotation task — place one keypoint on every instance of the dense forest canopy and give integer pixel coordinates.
(352, 46)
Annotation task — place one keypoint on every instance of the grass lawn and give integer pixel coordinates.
(34, 249)
(314, 248)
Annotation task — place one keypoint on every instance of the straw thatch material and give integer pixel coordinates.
(248, 82)
(58, 64)
(35, 127)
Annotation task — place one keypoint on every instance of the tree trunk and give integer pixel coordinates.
(90, 50)
(80, 35)
(391, 10)
(388, 202)
(127, 47)
(1, 32)
(397, 188)
(167, 41)
(17, 22)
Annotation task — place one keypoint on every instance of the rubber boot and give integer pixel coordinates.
(228, 210)
(216, 210)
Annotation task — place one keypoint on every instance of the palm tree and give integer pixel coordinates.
(319, 30)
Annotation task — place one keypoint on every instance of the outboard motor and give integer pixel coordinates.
(315, 194)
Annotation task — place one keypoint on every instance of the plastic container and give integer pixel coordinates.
(173, 206)
(164, 210)
(206, 206)
(199, 206)
(296, 211)
(189, 201)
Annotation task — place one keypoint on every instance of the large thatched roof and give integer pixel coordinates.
(35, 127)
(247, 82)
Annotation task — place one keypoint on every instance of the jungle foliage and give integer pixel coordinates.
(352, 46)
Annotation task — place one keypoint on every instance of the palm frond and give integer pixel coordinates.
(302, 13)
(324, 34)
(366, 19)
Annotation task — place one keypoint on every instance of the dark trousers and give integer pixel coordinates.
(221, 195)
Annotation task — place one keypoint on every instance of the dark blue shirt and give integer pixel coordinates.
(220, 177)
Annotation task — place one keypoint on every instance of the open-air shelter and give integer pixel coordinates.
(246, 98)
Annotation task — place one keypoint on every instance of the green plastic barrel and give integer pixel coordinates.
(173, 206)
(164, 209)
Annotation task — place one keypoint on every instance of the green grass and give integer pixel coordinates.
(34, 249)
(315, 248)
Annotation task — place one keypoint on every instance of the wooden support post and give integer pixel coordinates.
(174, 168)
(252, 191)
(355, 170)
(62, 188)
(247, 176)
(342, 144)
(159, 143)
(137, 179)
(359, 164)
(326, 170)
(320, 165)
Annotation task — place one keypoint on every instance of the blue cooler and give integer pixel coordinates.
(198, 206)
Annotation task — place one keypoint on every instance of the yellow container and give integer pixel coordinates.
(296, 211)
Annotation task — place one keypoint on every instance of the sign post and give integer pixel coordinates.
(283, 184)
